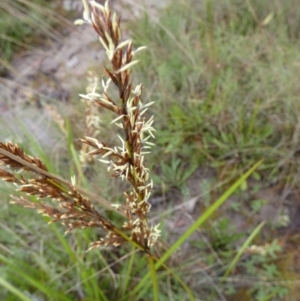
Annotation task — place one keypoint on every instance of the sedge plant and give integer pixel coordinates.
(63, 201)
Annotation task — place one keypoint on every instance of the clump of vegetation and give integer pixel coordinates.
(224, 76)
(224, 80)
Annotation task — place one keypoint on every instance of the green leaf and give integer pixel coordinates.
(6, 285)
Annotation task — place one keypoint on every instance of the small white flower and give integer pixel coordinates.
(117, 206)
(73, 180)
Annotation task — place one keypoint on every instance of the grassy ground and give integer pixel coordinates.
(26, 24)
(225, 80)
(224, 75)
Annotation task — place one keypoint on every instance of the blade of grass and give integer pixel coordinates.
(271, 295)
(86, 270)
(64, 243)
(128, 270)
(13, 290)
(206, 215)
(24, 275)
(242, 249)
(153, 277)
(74, 156)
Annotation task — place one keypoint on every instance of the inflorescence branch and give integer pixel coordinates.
(63, 201)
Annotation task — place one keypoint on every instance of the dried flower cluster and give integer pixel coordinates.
(67, 205)
(63, 201)
(127, 160)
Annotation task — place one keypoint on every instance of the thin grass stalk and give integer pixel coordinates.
(245, 245)
(153, 278)
(6, 285)
(128, 270)
(26, 277)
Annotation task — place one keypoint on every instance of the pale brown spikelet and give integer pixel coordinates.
(16, 151)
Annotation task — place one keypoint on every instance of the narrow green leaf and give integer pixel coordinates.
(242, 249)
(13, 290)
(153, 277)
(205, 215)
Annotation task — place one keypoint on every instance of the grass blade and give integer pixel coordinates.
(153, 277)
(242, 249)
(13, 290)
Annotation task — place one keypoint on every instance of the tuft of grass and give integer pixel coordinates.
(224, 77)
